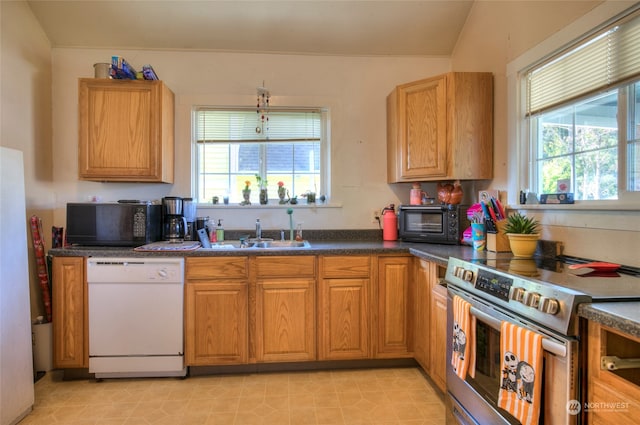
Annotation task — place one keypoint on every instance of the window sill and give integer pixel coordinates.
(580, 206)
(270, 205)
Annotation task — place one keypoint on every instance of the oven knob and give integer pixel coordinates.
(549, 305)
(517, 294)
(458, 272)
(468, 276)
(532, 299)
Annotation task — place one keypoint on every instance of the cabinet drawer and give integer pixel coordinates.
(285, 266)
(215, 268)
(346, 266)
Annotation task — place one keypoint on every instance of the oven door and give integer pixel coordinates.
(474, 400)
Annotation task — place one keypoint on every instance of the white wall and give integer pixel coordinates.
(504, 37)
(25, 116)
(354, 88)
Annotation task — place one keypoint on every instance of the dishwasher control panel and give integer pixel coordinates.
(125, 270)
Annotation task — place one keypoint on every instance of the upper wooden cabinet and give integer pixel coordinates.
(126, 131)
(441, 128)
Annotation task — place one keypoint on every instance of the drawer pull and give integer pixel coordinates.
(615, 363)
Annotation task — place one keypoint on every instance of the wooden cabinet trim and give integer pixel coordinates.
(217, 268)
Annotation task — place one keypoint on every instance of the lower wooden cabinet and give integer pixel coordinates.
(216, 323)
(438, 348)
(395, 307)
(285, 298)
(613, 396)
(69, 313)
(216, 311)
(423, 272)
(343, 308)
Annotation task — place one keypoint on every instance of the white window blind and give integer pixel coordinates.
(247, 126)
(608, 58)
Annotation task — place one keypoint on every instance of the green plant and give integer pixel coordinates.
(521, 224)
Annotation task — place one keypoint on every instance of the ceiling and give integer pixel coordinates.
(323, 27)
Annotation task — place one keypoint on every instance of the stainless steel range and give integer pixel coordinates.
(540, 295)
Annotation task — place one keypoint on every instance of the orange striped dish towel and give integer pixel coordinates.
(463, 353)
(521, 353)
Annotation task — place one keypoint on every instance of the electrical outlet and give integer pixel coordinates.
(375, 216)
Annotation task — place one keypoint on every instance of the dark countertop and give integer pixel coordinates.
(432, 252)
(622, 316)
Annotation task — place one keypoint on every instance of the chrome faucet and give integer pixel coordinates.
(258, 229)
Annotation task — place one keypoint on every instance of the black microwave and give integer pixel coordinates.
(442, 224)
(113, 224)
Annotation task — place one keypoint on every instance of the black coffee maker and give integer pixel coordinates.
(174, 223)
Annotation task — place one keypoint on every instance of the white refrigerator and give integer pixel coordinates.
(16, 364)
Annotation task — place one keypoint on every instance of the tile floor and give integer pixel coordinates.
(400, 396)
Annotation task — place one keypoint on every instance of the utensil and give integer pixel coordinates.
(596, 266)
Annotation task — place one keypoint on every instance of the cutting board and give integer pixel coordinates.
(169, 246)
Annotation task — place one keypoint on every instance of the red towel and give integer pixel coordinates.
(521, 353)
(463, 353)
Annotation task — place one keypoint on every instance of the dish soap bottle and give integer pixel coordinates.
(220, 231)
(213, 233)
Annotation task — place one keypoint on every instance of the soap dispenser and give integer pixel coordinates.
(220, 231)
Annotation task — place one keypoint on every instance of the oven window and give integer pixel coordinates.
(488, 368)
(424, 222)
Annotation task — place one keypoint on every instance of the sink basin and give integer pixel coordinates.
(282, 244)
(258, 244)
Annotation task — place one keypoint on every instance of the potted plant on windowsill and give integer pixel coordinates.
(523, 234)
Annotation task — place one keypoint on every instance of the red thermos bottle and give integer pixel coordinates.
(389, 223)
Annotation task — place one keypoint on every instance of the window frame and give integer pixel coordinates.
(325, 149)
(524, 151)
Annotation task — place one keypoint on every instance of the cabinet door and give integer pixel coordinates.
(615, 394)
(417, 114)
(216, 323)
(439, 336)
(126, 131)
(343, 307)
(285, 320)
(394, 325)
(70, 330)
(344, 319)
(422, 320)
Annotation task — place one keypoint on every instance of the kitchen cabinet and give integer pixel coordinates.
(394, 296)
(441, 128)
(216, 303)
(126, 131)
(69, 314)
(438, 348)
(613, 395)
(343, 307)
(423, 272)
(285, 297)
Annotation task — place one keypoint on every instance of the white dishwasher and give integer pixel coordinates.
(136, 317)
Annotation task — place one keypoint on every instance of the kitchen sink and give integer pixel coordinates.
(281, 244)
(257, 244)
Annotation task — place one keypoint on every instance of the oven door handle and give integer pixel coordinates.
(548, 345)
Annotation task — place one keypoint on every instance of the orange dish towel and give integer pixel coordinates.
(521, 353)
(463, 353)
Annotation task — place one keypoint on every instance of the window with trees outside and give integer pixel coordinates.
(285, 147)
(583, 109)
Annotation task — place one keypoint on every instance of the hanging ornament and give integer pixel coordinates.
(262, 110)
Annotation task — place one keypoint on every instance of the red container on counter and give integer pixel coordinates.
(389, 223)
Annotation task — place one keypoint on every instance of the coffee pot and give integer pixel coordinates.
(174, 223)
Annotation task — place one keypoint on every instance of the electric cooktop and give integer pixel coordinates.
(601, 284)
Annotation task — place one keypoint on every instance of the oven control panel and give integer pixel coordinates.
(494, 284)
